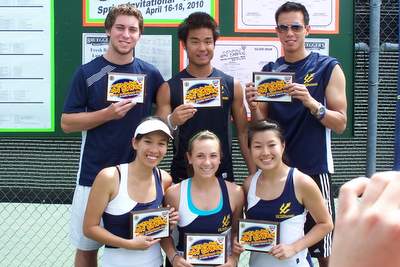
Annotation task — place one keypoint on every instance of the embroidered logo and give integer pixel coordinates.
(284, 211)
(308, 79)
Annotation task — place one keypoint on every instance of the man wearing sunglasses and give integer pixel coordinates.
(318, 106)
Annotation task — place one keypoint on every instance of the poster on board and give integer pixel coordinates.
(26, 66)
(250, 15)
(241, 56)
(155, 49)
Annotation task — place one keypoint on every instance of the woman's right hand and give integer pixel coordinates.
(142, 242)
(179, 261)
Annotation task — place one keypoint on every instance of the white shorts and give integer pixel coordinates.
(78, 207)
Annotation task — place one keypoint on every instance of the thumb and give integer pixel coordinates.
(148, 238)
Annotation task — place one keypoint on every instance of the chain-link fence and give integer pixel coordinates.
(37, 175)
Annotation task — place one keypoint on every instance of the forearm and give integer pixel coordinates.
(167, 244)
(256, 113)
(82, 121)
(317, 233)
(251, 167)
(334, 120)
(103, 236)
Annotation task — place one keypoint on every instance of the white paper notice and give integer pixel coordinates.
(240, 57)
(26, 81)
(155, 49)
(259, 15)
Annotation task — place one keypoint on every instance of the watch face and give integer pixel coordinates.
(321, 112)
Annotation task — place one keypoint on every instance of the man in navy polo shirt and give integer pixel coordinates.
(107, 129)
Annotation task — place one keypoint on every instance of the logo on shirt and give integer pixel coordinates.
(224, 96)
(225, 224)
(284, 211)
(308, 79)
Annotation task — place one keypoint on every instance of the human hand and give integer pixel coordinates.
(182, 113)
(300, 92)
(173, 217)
(283, 251)
(367, 230)
(179, 261)
(231, 262)
(118, 110)
(237, 248)
(142, 242)
(251, 95)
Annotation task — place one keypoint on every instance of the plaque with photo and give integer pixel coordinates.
(271, 86)
(202, 93)
(126, 86)
(206, 249)
(151, 222)
(258, 235)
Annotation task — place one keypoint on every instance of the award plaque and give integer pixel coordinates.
(257, 235)
(152, 222)
(202, 92)
(125, 86)
(271, 86)
(206, 249)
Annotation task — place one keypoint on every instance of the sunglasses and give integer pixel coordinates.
(286, 27)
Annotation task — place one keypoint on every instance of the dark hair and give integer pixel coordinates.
(140, 136)
(293, 7)
(195, 21)
(123, 9)
(266, 125)
(261, 126)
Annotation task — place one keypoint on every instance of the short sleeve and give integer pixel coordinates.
(77, 97)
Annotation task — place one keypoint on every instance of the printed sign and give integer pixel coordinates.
(257, 235)
(153, 222)
(205, 249)
(202, 92)
(271, 86)
(125, 86)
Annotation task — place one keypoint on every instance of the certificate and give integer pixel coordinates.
(257, 235)
(256, 15)
(202, 92)
(206, 249)
(271, 86)
(152, 222)
(125, 86)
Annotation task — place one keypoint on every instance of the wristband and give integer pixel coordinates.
(170, 123)
(173, 258)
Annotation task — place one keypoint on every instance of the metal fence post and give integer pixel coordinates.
(396, 165)
(373, 84)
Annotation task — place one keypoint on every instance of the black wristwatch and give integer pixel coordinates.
(320, 112)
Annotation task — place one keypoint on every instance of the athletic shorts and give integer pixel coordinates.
(323, 248)
(78, 208)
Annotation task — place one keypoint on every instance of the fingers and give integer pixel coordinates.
(237, 248)
(180, 261)
(153, 241)
(375, 188)
(349, 193)
(251, 93)
(182, 113)
(389, 199)
(119, 109)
